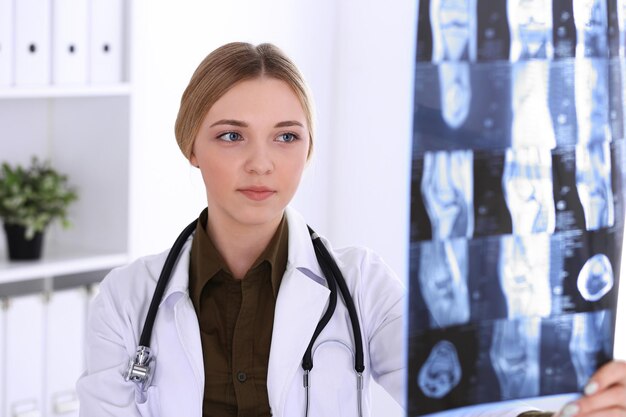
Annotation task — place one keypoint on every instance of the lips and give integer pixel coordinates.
(257, 193)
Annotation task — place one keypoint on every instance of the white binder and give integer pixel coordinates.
(24, 366)
(6, 43)
(3, 359)
(69, 41)
(106, 49)
(64, 356)
(32, 42)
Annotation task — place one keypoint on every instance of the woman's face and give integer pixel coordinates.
(251, 149)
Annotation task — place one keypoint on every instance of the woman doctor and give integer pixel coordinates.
(247, 292)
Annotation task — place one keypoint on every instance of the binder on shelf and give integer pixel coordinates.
(6, 43)
(65, 347)
(32, 42)
(106, 48)
(69, 42)
(24, 356)
(3, 358)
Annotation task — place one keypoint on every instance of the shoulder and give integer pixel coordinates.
(376, 288)
(363, 269)
(137, 277)
(363, 263)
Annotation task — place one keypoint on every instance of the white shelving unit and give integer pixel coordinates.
(85, 132)
(60, 261)
(122, 89)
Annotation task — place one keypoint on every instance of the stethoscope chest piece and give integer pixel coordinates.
(141, 368)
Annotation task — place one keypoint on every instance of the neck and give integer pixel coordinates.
(240, 245)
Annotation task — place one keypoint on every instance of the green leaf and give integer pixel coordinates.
(34, 196)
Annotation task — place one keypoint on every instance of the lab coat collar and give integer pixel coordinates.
(301, 252)
(301, 257)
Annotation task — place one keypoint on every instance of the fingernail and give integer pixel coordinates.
(591, 388)
(570, 410)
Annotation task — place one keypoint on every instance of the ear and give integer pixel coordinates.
(193, 160)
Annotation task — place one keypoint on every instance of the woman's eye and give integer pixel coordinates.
(287, 137)
(230, 137)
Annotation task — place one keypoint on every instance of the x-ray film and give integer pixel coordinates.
(617, 95)
(461, 105)
(517, 199)
(590, 17)
(537, 103)
(527, 185)
(462, 281)
(493, 37)
(563, 29)
(531, 29)
(499, 360)
(518, 190)
(447, 192)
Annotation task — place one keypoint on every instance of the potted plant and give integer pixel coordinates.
(30, 199)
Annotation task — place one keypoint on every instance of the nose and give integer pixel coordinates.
(259, 160)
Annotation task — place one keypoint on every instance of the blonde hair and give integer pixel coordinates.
(221, 70)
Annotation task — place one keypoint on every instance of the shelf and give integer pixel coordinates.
(112, 90)
(58, 261)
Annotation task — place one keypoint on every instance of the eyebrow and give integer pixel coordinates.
(239, 123)
(230, 122)
(288, 123)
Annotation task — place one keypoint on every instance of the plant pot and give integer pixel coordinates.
(20, 248)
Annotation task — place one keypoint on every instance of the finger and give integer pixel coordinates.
(612, 373)
(610, 398)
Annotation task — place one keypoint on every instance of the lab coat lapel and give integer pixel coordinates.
(189, 336)
(177, 297)
(301, 302)
(299, 307)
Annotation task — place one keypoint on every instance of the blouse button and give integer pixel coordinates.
(242, 377)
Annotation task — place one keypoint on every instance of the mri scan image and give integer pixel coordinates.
(456, 92)
(441, 372)
(443, 282)
(595, 279)
(593, 181)
(447, 191)
(587, 344)
(515, 357)
(531, 29)
(524, 271)
(517, 199)
(621, 17)
(592, 100)
(564, 30)
(527, 186)
(591, 23)
(532, 121)
(453, 29)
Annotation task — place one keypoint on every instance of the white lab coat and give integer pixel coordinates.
(117, 315)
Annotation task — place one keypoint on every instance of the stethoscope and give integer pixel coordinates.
(141, 366)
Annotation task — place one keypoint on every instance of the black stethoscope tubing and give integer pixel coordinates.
(164, 278)
(334, 278)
